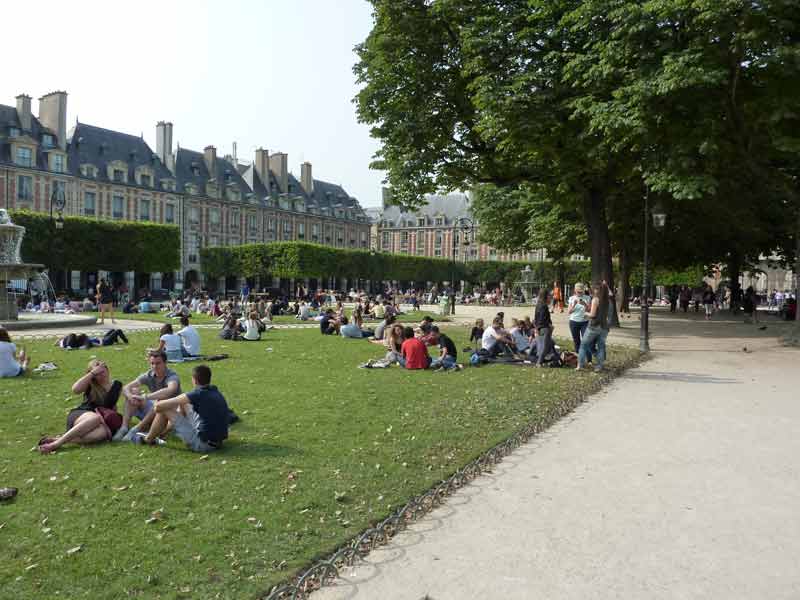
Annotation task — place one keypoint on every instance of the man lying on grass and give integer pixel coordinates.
(205, 426)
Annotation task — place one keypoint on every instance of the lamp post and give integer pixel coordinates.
(659, 220)
(58, 201)
(465, 226)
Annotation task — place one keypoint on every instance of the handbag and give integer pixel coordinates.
(111, 418)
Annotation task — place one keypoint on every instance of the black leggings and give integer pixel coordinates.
(112, 336)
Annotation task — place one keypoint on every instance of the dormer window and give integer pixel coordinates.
(13, 132)
(227, 175)
(440, 220)
(48, 141)
(58, 163)
(421, 222)
(118, 176)
(88, 171)
(145, 180)
(24, 157)
(195, 169)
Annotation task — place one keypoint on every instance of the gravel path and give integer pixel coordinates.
(680, 480)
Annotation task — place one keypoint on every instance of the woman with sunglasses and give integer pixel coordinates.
(96, 419)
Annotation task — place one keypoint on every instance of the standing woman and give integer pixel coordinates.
(543, 325)
(96, 419)
(578, 321)
(597, 332)
(105, 299)
(558, 298)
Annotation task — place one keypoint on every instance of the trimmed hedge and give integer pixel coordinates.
(302, 259)
(90, 245)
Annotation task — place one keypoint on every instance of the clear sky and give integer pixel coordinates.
(271, 73)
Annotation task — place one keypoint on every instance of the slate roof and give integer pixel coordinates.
(99, 147)
(9, 119)
(451, 206)
(225, 172)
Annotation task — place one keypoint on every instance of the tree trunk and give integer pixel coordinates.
(594, 213)
(624, 280)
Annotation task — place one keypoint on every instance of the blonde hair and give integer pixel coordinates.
(95, 391)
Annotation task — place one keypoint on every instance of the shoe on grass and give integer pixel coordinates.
(7, 493)
(120, 435)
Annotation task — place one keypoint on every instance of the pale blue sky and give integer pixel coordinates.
(271, 73)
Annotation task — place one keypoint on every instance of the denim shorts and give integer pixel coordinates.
(187, 428)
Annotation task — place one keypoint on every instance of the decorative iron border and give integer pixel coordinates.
(325, 571)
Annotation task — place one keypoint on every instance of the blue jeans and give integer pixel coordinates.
(593, 335)
(577, 329)
(448, 362)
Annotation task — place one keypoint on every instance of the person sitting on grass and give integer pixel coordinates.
(253, 328)
(495, 340)
(171, 344)
(96, 419)
(190, 339)
(328, 324)
(476, 335)
(12, 363)
(448, 355)
(414, 353)
(161, 382)
(350, 329)
(381, 330)
(129, 308)
(231, 329)
(205, 427)
(521, 337)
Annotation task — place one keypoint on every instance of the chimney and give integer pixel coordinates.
(210, 155)
(53, 115)
(262, 166)
(386, 197)
(24, 111)
(306, 180)
(164, 141)
(279, 165)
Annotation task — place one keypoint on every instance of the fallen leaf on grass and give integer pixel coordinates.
(204, 457)
(121, 488)
(74, 550)
(33, 566)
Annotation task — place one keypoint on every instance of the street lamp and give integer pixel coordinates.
(659, 217)
(465, 226)
(58, 201)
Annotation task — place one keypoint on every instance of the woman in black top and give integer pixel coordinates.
(96, 419)
(543, 325)
(477, 332)
(105, 299)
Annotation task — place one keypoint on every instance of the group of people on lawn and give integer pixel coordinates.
(526, 340)
(200, 417)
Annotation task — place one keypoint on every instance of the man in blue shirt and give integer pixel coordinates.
(200, 418)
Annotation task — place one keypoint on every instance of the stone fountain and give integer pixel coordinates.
(527, 284)
(11, 265)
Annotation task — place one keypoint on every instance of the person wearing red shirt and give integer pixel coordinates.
(415, 354)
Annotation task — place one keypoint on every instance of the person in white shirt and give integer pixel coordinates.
(577, 305)
(304, 314)
(11, 363)
(253, 328)
(495, 340)
(190, 339)
(171, 344)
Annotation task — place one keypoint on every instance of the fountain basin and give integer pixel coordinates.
(28, 321)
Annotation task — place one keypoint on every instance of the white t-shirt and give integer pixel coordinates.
(579, 314)
(488, 340)
(172, 342)
(9, 367)
(191, 340)
(252, 332)
(305, 311)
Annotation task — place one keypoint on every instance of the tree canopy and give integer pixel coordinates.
(562, 114)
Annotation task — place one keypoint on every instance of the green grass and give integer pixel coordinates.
(201, 319)
(323, 450)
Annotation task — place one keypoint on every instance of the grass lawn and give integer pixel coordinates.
(323, 450)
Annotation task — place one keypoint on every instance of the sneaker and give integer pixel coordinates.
(141, 438)
(120, 435)
(128, 437)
